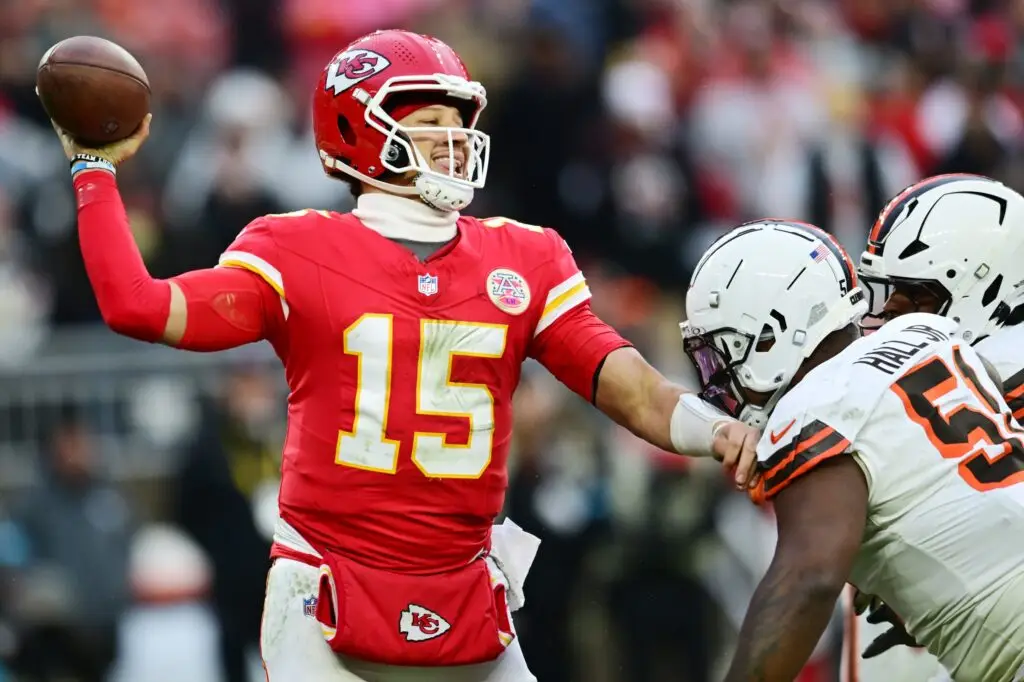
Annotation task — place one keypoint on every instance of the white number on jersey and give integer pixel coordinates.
(367, 446)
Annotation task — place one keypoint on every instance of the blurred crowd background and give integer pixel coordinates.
(137, 483)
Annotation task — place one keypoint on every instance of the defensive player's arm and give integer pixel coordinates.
(203, 310)
(820, 508)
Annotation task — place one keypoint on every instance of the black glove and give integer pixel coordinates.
(897, 635)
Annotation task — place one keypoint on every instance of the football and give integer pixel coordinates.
(94, 89)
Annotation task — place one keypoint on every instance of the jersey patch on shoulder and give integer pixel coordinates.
(815, 443)
(508, 291)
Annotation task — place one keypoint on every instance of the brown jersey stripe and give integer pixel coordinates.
(1014, 393)
(817, 441)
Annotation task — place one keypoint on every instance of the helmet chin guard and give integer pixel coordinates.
(441, 194)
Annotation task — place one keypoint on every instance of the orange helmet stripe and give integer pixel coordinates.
(887, 217)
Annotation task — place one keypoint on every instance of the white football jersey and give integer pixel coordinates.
(1004, 349)
(944, 462)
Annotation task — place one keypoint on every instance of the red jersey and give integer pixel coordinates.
(401, 374)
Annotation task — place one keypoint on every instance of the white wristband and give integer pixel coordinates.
(694, 426)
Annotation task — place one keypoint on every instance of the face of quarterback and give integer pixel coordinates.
(434, 146)
(910, 298)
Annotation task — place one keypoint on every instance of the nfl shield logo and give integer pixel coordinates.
(427, 284)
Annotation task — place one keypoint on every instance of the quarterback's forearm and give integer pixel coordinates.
(785, 620)
(663, 413)
(637, 396)
(202, 310)
(130, 300)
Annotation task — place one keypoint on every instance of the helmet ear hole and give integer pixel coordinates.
(766, 339)
(347, 134)
(395, 154)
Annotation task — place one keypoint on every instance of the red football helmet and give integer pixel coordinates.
(368, 85)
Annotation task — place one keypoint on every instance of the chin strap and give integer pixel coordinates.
(433, 190)
(442, 195)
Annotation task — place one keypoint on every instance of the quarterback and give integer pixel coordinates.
(402, 327)
(892, 460)
(951, 245)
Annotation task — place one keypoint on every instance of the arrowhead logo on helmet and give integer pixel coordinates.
(352, 67)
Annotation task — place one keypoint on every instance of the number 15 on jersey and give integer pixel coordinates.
(371, 339)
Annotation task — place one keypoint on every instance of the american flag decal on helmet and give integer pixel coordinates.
(819, 253)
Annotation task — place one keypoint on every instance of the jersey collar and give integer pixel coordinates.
(405, 218)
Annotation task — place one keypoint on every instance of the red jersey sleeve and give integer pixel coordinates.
(227, 308)
(255, 250)
(569, 340)
(565, 287)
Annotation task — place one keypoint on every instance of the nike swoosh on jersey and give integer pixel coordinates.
(776, 437)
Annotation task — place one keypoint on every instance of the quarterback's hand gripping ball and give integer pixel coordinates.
(115, 153)
(97, 96)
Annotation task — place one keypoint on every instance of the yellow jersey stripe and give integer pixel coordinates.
(256, 265)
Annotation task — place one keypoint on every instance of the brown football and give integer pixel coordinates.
(94, 89)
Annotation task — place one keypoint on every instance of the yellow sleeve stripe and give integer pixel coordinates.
(562, 298)
(254, 264)
(558, 291)
(578, 294)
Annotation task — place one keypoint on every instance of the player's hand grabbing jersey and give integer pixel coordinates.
(402, 374)
(944, 463)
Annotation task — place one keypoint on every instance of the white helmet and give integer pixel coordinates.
(761, 299)
(958, 237)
